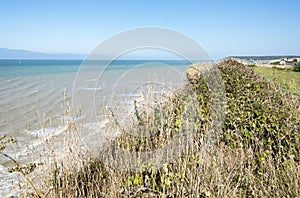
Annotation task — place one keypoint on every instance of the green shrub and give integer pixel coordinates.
(297, 67)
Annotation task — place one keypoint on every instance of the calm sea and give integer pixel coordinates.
(34, 95)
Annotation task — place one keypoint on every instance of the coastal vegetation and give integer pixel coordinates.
(23, 169)
(256, 153)
(297, 67)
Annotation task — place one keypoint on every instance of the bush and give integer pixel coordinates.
(297, 67)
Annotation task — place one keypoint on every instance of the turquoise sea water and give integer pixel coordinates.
(31, 86)
(34, 95)
(17, 68)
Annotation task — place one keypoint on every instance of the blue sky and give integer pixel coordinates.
(223, 28)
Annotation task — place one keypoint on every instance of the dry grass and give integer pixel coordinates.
(256, 155)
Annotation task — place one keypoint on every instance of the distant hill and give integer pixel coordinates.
(25, 54)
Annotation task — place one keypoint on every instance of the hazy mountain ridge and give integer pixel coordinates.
(26, 54)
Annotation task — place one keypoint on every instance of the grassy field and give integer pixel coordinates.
(285, 78)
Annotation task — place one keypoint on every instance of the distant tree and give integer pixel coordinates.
(297, 67)
(295, 60)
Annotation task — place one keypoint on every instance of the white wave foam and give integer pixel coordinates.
(91, 89)
(97, 125)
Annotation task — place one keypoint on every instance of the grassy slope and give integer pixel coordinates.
(257, 154)
(285, 78)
